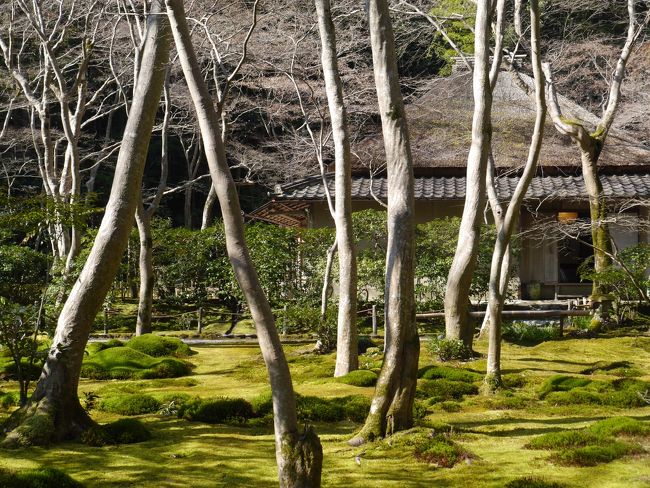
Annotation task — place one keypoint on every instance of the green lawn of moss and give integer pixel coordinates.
(495, 430)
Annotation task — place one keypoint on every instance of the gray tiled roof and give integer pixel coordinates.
(453, 188)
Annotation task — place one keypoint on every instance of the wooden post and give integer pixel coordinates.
(105, 321)
(199, 326)
(374, 320)
(284, 321)
(561, 326)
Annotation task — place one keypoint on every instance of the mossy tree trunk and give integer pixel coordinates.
(347, 357)
(391, 409)
(299, 455)
(55, 404)
(458, 324)
(505, 230)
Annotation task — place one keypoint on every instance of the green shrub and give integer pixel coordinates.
(533, 482)
(439, 450)
(595, 454)
(216, 410)
(442, 390)
(622, 393)
(617, 426)
(37, 478)
(32, 371)
(529, 334)
(159, 346)
(446, 372)
(135, 404)
(450, 406)
(576, 396)
(361, 377)
(364, 343)
(263, 404)
(123, 431)
(8, 400)
(449, 349)
(127, 363)
(562, 383)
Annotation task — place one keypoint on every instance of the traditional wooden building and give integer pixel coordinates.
(440, 125)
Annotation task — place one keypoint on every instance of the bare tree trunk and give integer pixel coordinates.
(347, 359)
(391, 409)
(299, 455)
(207, 208)
(504, 234)
(143, 218)
(55, 401)
(457, 321)
(327, 280)
(187, 207)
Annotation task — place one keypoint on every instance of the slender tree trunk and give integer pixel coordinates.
(299, 455)
(327, 280)
(55, 401)
(145, 302)
(347, 358)
(187, 208)
(504, 234)
(391, 409)
(457, 321)
(206, 220)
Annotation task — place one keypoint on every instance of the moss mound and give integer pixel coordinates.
(353, 408)
(159, 346)
(127, 363)
(37, 478)
(361, 377)
(216, 410)
(562, 383)
(432, 446)
(95, 347)
(135, 404)
(442, 390)
(595, 454)
(622, 393)
(594, 445)
(616, 368)
(35, 430)
(533, 482)
(434, 372)
(123, 431)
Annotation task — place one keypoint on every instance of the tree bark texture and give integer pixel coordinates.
(504, 234)
(347, 358)
(299, 456)
(457, 321)
(391, 409)
(55, 400)
(211, 199)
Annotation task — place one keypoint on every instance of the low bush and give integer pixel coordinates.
(37, 478)
(433, 372)
(315, 409)
(123, 431)
(127, 363)
(8, 400)
(159, 346)
(361, 377)
(433, 446)
(532, 482)
(527, 334)
(216, 410)
(443, 390)
(364, 343)
(564, 439)
(450, 406)
(30, 370)
(449, 349)
(135, 404)
(592, 455)
(622, 393)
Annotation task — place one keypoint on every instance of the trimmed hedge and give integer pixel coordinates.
(127, 363)
(360, 377)
(442, 390)
(433, 372)
(216, 410)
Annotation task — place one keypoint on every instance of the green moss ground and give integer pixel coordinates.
(494, 429)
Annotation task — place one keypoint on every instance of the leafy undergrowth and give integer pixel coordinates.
(127, 363)
(596, 444)
(37, 478)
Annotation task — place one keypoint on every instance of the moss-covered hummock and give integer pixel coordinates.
(134, 404)
(37, 478)
(127, 363)
(361, 377)
(159, 346)
(123, 431)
